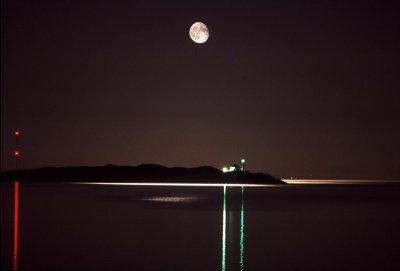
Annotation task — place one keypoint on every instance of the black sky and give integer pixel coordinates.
(298, 88)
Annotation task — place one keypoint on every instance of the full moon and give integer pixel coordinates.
(199, 32)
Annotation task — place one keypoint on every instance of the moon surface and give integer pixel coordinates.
(199, 32)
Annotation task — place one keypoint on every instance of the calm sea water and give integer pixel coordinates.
(67, 226)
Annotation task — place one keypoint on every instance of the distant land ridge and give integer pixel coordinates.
(140, 173)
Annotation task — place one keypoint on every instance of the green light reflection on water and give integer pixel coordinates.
(223, 265)
(242, 232)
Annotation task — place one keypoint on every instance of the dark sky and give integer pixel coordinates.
(298, 88)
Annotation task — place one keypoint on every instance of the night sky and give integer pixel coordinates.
(298, 88)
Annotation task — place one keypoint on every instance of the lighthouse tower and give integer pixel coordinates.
(242, 164)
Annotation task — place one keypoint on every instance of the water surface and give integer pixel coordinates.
(72, 226)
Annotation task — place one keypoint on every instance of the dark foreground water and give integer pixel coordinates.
(117, 227)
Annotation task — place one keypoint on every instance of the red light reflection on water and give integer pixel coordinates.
(16, 191)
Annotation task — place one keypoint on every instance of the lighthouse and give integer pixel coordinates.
(242, 161)
(235, 167)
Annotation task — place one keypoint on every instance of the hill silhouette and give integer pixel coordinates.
(140, 173)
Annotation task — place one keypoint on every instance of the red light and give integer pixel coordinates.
(16, 133)
(17, 153)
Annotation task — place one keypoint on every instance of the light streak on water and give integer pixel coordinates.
(16, 201)
(242, 232)
(342, 182)
(179, 184)
(223, 265)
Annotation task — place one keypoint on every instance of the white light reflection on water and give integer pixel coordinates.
(242, 232)
(223, 264)
(224, 232)
(174, 199)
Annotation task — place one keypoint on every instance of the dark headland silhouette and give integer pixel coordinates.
(140, 173)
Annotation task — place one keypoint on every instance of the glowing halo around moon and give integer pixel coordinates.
(199, 32)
